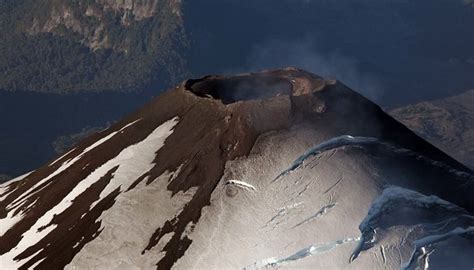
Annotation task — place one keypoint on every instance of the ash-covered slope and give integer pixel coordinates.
(273, 169)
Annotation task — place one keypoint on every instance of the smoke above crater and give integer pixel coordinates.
(305, 54)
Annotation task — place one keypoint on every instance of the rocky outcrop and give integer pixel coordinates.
(132, 8)
(91, 20)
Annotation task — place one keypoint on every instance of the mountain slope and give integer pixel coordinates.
(247, 171)
(446, 123)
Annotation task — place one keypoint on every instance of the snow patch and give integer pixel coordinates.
(303, 253)
(5, 188)
(108, 137)
(241, 184)
(61, 157)
(132, 161)
(188, 230)
(20, 200)
(9, 221)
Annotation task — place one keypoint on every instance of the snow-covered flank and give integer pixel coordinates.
(10, 220)
(327, 199)
(238, 230)
(241, 184)
(136, 158)
(328, 145)
(106, 138)
(134, 161)
(120, 245)
(5, 188)
(97, 143)
(68, 163)
(301, 254)
(61, 157)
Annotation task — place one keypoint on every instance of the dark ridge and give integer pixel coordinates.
(342, 103)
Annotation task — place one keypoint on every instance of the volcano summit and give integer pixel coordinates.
(280, 168)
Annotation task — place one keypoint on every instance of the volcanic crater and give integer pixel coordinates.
(205, 155)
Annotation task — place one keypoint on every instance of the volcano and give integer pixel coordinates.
(279, 168)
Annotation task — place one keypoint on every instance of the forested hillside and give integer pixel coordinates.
(67, 45)
(447, 123)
